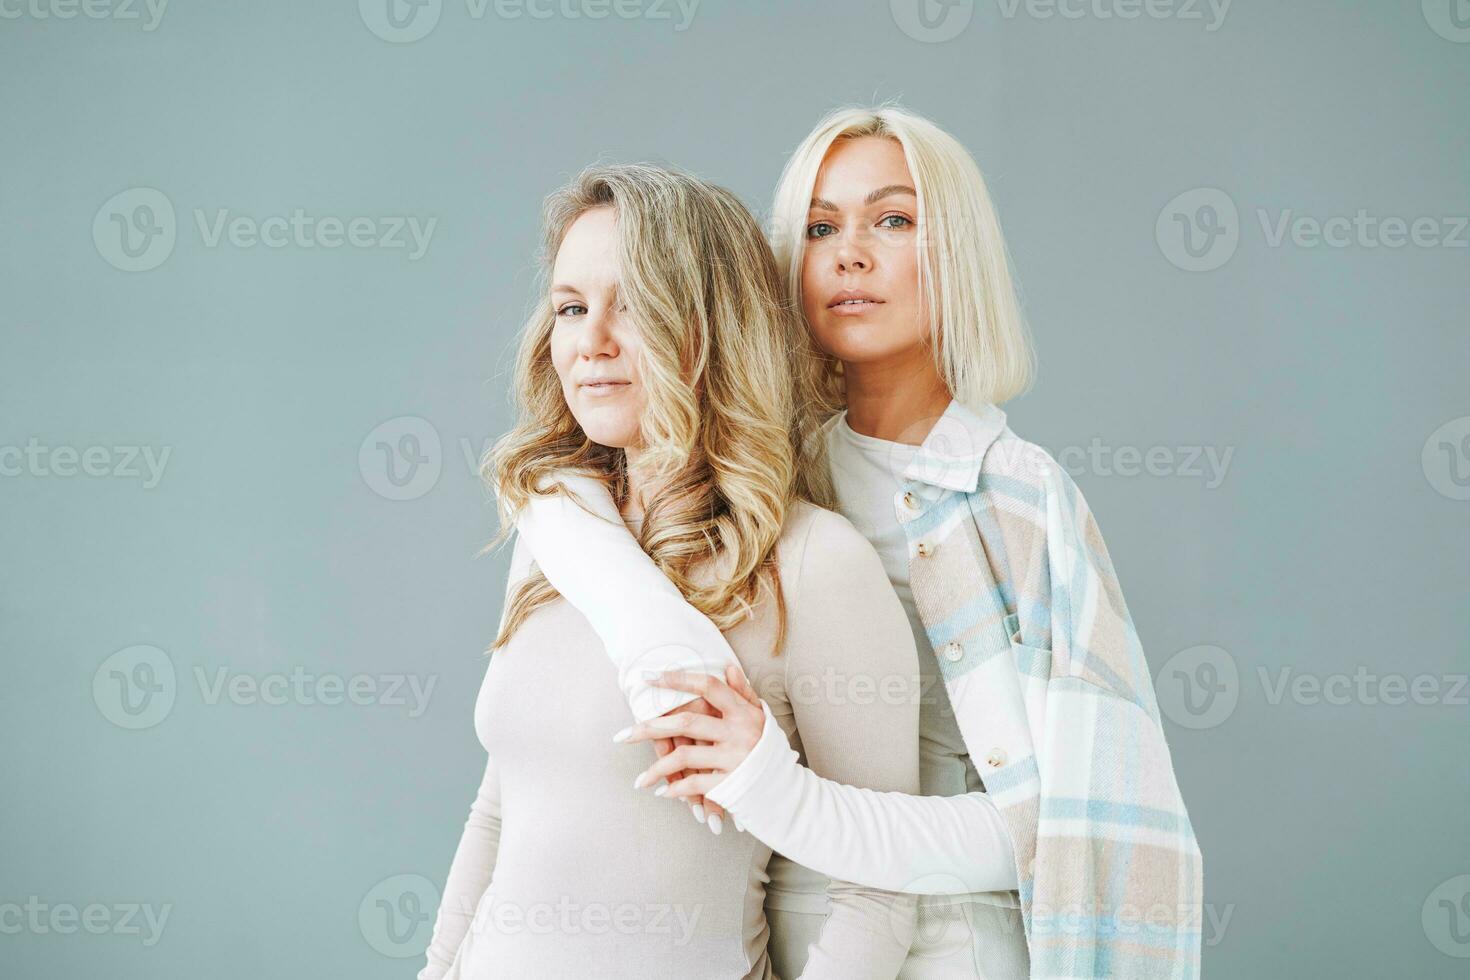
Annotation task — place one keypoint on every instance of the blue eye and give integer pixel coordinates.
(566, 310)
(813, 232)
(883, 222)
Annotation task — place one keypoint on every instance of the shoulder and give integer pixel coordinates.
(810, 528)
(520, 561)
(1025, 479)
(821, 547)
(1018, 463)
(843, 612)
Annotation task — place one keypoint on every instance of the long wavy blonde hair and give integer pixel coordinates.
(731, 424)
(979, 338)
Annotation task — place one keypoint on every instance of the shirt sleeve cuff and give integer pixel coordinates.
(650, 702)
(767, 758)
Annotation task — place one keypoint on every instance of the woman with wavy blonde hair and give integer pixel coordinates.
(663, 369)
(1049, 838)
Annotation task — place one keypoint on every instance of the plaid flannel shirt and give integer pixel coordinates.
(1055, 701)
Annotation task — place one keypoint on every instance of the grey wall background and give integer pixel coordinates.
(1274, 431)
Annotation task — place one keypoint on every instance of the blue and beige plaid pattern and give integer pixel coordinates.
(1055, 701)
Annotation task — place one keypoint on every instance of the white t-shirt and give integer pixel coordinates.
(867, 474)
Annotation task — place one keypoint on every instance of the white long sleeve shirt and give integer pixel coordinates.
(564, 869)
(951, 840)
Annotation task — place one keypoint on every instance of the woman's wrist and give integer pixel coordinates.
(737, 792)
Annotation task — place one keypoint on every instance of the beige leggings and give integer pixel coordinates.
(956, 940)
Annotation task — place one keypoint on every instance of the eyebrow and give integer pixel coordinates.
(562, 287)
(822, 204)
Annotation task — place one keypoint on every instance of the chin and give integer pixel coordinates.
(854, 348)
(613, 436)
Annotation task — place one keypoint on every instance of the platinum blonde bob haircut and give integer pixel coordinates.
(978, 335)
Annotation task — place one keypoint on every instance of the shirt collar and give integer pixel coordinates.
(952, 452)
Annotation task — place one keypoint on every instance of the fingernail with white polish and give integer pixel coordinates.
(641, 781)
(663, 788)
(699, 812)
(622, 736)
(715, 823)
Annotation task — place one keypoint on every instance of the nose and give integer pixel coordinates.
(596, 337)
(854, 253)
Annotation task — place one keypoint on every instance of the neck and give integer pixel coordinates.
(898, 400)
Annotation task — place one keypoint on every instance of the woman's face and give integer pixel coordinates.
(860, 270)
(594, 345)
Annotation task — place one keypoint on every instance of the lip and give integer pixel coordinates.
(852, 302)
(602, 387)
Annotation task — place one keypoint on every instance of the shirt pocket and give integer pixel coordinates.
(1031, 662)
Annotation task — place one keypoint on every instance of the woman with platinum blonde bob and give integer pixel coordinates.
(1048, 838)
(658, 368)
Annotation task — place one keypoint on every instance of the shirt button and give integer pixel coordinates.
(996, 758)
(925, 549)
(954, 652)
(911, 500)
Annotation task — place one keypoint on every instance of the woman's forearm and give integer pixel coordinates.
(894, 841)
(469, 875)
(889, 840)
(645, 623)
